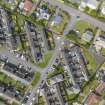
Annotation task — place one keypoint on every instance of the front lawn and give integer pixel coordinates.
(83, 25)
(36, 78)
(103, 51)
(91, 63)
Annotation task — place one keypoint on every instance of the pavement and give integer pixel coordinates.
(17, 60)
(73, 14)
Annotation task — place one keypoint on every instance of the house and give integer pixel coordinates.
(42, 14)
(25, 6)
(87, 36)
(28, 5)
(92, 4)
(103, 8)
(100, 43)
(56, 20)
(100, 88)
(92, 99)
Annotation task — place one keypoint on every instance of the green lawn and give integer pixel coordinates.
(91, 66)
(71, 3)
(41, 101)
(46, 59)
(103, 51)
(34, 1)
(83, 25)
(36, 78)
(14, 103)
(2, 103)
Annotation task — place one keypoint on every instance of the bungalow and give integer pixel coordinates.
(93, 4)
(100, 43)
(42, 14)
(57, 20)
(87, 36)
(26, 6)
(92, 99)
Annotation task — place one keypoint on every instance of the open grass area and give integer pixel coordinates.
(46, 59)
(91, 66)
(103, 51)
(10, 5)
(62, 1)
(59, 28)
(41, 101)
(36, 78)
(14, 103)
(34, 1)
(83, 25)
(71, 3)
(2, 101)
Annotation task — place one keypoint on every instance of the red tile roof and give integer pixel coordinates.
(28, 5)
(92, 99)
(100, 88)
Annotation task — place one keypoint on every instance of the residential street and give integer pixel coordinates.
(73, 13)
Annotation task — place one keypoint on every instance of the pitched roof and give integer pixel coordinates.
(92, 99)
(100, 88)
(28, 5)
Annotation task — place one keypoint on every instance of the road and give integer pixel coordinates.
(44, 71)
(74, 12)
(13, 59)
(70, 25)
